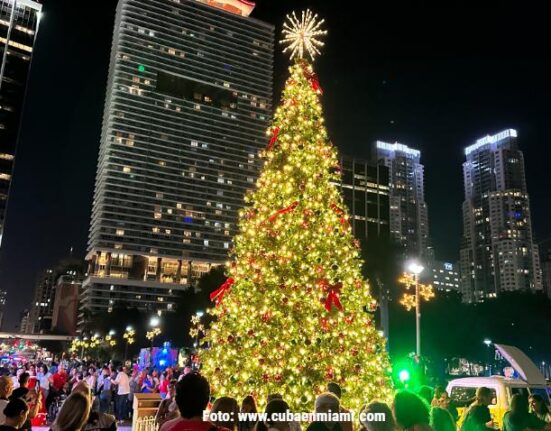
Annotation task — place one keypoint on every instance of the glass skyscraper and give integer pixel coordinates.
(497, 251)
(19, 21)
(189, 99)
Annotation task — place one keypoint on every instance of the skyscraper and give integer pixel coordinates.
(188, 102)
(365, 188)
(40, 314)
(409, 224)
(497, 251)
(19, 21)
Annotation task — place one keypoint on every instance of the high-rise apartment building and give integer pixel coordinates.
(409, 224)
(188, 102)
(19, 21)
(497, 252)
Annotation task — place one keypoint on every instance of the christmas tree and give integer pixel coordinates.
(295, 312)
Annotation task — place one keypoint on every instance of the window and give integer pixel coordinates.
(463, 396)
(184, 88)
(126, 169)
(120, 232)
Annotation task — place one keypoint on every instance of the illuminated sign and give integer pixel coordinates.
(509, 133)
(448, 266)
(396, 147)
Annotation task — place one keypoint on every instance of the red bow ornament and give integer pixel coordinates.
(334, 291)
(288, 209)
(273, 140)
(219, 293)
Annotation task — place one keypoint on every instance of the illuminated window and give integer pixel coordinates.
(155, 230)
(126, 169)
(120, 232)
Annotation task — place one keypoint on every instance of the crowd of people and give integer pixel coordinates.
(90, 398)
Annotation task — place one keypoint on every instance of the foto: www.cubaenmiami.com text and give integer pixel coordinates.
(289, 416)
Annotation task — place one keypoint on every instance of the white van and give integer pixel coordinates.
(462, 391)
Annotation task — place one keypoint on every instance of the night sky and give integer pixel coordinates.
(434, 80)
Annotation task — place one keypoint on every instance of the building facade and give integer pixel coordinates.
(409, 224)
(444, 276)
(497, 252)
(188, 102)
(545, 263)
(365, 189)
(65, 310)
(19, 21)
(40, 312)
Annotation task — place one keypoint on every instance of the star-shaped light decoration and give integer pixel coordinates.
(302, 36)
(409, 300)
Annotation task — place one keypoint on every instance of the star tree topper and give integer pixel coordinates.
(302, 36)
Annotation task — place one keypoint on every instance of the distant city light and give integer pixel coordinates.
(141, 68)
(491, 139)
(397, 147)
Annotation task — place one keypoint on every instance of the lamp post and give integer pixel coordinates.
(199, 314)
(411, 279)
(488, 343)
(129, 337)
(154, 322)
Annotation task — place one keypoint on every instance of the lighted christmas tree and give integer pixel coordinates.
(295, 312)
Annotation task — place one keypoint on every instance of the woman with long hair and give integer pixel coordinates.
(227, 405)
(73, 414)
(519, 418)
(411, 412)
(277, 405)
(248, 405)
(539, 408)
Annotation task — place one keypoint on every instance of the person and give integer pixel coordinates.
(44, 377)
(148, 384)
(91, 378)
(163, 386)
(59, 379)
(441, 419)
(192, 398)
(519, 418)
(539, 408)
(336, 390)
(377, 407)
(227, 405)
(97, 421)
(32, 398)
(123, 389)
(15, 415)
(276, 405)
(73, 414)
(326, 402)
(442, 399)
(426, 393)
(411, 412)
(6, 388)
(168, 409)
(478, 417)
(104, 390)
(248, 405)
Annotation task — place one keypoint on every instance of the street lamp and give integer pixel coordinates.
(198, 327)
(154, 322)
(411, 279)
(129, 337)
(488, 343)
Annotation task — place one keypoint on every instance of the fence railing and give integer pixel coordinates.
(146, 423)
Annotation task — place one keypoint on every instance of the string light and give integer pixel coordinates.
(275, 329)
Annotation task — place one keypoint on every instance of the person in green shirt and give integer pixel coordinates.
(518, 418)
